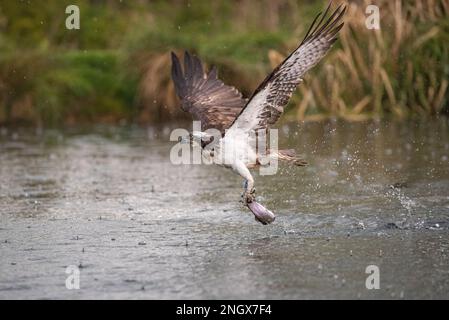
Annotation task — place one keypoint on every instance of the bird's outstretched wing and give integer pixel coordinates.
(268, 101)
(205, 96)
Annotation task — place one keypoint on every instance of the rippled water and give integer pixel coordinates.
(109, 201)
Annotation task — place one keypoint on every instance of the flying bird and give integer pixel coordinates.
(240, 121)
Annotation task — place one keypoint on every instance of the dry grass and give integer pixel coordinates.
(401, 69)
(398, 70)
(392, 70)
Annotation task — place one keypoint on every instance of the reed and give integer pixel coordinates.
(117, 67)
(400, 70)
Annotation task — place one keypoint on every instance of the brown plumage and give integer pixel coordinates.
(205, 96)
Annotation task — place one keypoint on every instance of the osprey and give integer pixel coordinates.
(239, 121)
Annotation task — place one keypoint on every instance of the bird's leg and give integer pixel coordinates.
(249, 193)
(247, 198)
(245, 186)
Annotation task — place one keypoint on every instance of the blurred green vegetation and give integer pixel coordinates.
(116, 67)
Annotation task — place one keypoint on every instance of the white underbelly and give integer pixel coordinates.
(232, 149)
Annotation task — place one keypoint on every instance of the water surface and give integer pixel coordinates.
(109, 201)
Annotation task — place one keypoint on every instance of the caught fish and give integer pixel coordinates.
(261, 214)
